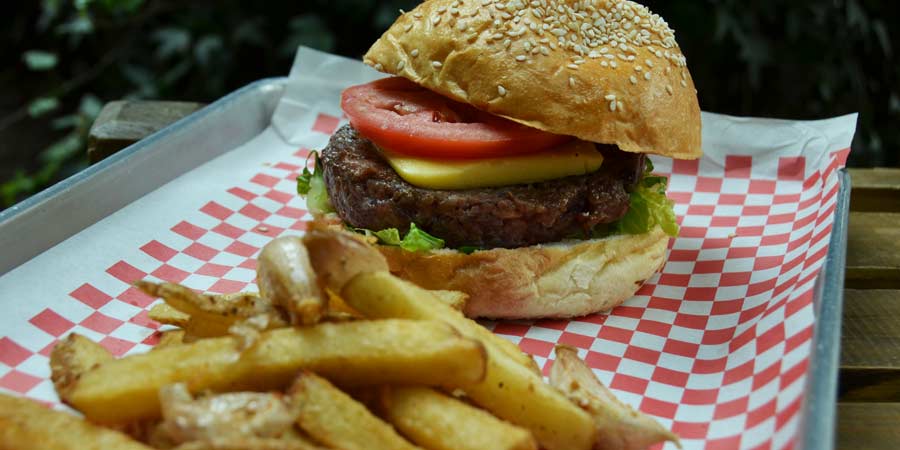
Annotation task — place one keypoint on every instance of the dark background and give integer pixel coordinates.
(62, 59)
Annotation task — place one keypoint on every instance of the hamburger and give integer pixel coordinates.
(505, 156)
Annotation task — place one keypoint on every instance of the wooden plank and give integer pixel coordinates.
(122, 123)
(868, 426)
(873, 251)
(875, 189)
(870, 346)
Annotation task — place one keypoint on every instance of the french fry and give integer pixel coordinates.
(339, 256)
(337, 420)
(439, 422)
(73, 357)
(351, 353)
(454, 299)
(209, 312)
(166, 314)
(249, 444)
(26, 424)
(170, 338)
(511, 390)
(619, 426)
(286, 277)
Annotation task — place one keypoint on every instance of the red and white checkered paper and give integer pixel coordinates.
(716, 346)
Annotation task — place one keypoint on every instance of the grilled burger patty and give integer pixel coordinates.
(367, 193)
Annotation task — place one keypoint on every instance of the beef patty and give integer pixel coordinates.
(367, 193)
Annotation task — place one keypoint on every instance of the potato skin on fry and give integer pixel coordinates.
(26, 424)
(339, 256)
(73, 357)
(619, 426)
(350, 353)
(285, 276)
(337, 420)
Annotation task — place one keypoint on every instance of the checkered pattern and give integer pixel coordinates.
(716, 345)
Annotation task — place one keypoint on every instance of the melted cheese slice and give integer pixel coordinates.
(573, 158)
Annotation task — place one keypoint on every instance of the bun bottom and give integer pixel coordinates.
(565, 279)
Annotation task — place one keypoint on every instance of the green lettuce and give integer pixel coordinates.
(312, 186)
(416, 239)
(649, 207)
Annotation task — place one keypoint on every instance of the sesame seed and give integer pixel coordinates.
(572, 81)
(417, 15)
(683, 83)
(646, 75)
(610, 97)
(501, 90)
(379, 67)
(442, 9)
(620, 106)
(408, 27)
(414, 52)
(604, 64)
(633, 79)
(521, 58)
(669, 89)
(401, 65)
(572, 66)
(612, 106)
(638, 68)
(437, 64)
(613, 64)
(648, 63)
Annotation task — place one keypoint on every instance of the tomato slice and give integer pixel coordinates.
(399, 115)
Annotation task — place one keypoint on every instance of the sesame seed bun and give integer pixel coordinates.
(565, 279)
(604, 71)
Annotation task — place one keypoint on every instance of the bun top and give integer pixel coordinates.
(606, 71)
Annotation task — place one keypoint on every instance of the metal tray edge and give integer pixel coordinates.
(819, 413)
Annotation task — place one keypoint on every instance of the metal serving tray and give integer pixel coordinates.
(72, 205)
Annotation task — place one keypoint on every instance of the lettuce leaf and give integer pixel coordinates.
(649, 207)
(416, 240)
(312, 186)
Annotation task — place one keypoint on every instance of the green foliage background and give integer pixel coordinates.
(62, 59)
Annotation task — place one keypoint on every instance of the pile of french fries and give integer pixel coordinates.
(334, 352)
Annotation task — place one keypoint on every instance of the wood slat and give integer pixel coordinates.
(873, 251)
(868, 426)
(875, 189)
(870, 346)
(122, 123)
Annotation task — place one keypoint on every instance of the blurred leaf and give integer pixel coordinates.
(42, 105)
(90, 106)
(82, 5)
(66, 122)
(171, 41)
(78, 25)
(250, 33)
(49, 12)
(62, 149)
(39, 60)
(121, 6)
(141, 78)
(207, 48)
(308, 30)
(19, 184)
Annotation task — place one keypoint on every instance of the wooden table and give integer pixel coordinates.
(869, 391)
